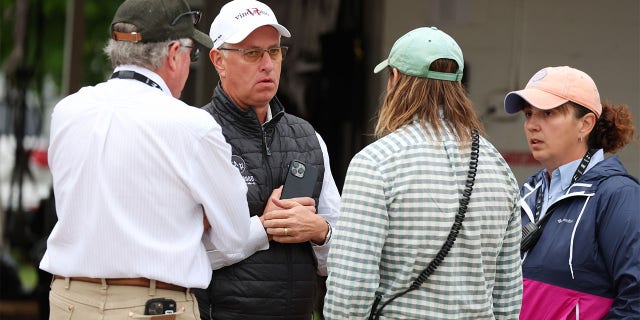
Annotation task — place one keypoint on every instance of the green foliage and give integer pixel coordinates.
(97, 64)
(45, 41)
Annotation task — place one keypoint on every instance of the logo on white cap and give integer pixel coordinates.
(238, 18)
(251, 12)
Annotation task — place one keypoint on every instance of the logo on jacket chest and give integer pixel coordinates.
(239, 163)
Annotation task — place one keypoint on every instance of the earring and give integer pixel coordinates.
(579, 139)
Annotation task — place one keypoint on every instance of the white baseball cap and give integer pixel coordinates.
(238, 18)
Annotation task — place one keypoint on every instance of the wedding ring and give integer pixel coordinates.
(286, 232)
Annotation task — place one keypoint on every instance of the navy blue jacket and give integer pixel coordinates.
(587, 260)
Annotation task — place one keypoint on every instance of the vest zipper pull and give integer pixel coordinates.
(264, 142)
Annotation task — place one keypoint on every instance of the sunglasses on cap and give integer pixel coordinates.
(195, 16)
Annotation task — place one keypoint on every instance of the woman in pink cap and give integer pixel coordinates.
(580, 213)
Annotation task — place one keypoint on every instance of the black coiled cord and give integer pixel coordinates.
(453, 233)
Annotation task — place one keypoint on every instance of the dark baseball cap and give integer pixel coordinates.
(158, 21)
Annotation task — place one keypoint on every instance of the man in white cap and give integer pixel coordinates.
(281, 282)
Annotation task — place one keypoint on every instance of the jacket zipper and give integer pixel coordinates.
(267, 154)
(264, 143)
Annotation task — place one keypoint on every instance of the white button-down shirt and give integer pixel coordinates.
(133, 169)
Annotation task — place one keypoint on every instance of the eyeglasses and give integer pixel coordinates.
(253, 55)
(195, 15)
(194, 54)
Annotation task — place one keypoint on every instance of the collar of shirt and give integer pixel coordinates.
(269, 116)
(561, 179)
(147, 73)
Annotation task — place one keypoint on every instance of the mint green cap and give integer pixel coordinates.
(414, 52)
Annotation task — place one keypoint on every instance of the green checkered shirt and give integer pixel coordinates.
(399, 200)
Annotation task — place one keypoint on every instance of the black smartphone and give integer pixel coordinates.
(160, 306)
(301, 180)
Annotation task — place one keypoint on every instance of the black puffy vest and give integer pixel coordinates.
(278, 283)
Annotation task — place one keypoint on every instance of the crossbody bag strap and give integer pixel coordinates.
(453, 234)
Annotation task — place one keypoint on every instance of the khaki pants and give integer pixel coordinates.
(80, 300)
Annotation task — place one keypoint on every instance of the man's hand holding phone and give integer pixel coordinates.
(290, 214)
(281, 213)
(294, 221)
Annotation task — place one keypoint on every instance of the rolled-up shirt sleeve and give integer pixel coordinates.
(257, 241)
(233, 236)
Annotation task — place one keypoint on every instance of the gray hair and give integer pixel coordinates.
(149, 55)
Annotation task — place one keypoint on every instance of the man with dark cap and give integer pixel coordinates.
(134, 171)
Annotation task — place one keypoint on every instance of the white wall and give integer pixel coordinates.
(506, 41)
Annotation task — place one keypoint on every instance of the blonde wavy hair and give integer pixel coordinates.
(414, 96)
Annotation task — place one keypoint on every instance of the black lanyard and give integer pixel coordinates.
(128, 74)
(576, 175)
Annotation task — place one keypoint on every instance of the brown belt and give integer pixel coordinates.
(136, 282)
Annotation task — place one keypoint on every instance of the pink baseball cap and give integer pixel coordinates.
(554, 86)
